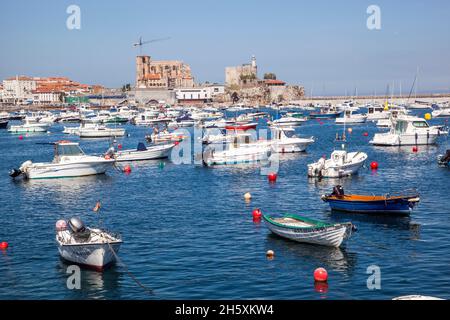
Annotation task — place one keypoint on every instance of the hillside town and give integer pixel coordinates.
(157, 81)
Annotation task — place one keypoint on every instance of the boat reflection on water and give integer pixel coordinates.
(408, 150)
(337, 259)
(93, 284)
(323, 186)
(60, 188)
(398, 223)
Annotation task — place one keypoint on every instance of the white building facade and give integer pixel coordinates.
(203, 94)
(47, 97)
(18, 89)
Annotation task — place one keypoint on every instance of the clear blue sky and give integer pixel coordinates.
(323, 45)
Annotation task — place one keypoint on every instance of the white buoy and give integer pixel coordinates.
(247, 196)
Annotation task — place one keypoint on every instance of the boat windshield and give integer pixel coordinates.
(420, 124)
(69, 150)
(289, 134)
(401, 126)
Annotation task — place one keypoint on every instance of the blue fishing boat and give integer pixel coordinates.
(401, 204)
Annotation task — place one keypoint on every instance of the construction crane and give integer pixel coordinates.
(142, 42)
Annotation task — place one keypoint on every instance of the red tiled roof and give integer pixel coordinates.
(279, 82)
(152, 76)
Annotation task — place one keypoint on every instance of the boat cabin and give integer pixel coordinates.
(375, 109)
(404, 125)
(66, 149)
(285, 133)
(339, 157)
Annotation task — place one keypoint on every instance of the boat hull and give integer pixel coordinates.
(291, 146)
(324, 115)
(230, 158)
(387, 139)
(350, 121)
(331, 236)
(3, 124)
(67, 170)
(158, 152)
(96, 256)
(28, 129)
(397, 206)
(101, 133)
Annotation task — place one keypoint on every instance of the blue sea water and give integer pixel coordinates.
(189, 234)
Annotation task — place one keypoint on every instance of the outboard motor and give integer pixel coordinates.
(76, 225)
(15, 173)
(78, 229)
(338, 191)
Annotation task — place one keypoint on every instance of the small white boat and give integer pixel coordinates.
(89, 247)
(441, 113)
(71, 130)
(217, 136)
(394, 114)
(144, 153)
(69, 161)
(165, 137)
(351, 118)
(416, 297)
(305, 230)
(341, 164)
(99, 131)
(29, 127)
(377, 112)
(284, 140)
(287, 122)
(408, 130)
(239, 151)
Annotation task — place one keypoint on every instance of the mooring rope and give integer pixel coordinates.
(132, 276)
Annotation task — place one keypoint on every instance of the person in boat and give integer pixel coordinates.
(338, 191)
(110, 152)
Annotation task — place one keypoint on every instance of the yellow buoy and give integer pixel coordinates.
(428, 116)
(247, 196)
(386, 106)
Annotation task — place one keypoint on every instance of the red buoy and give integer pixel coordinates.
(257, 214)
(374, 165)
(272, 177)
(415, 149)
(176, 143)
(4, 245)
(21, 137)
(366, 134)
(320, 275)
(127, 169)
(119, 146)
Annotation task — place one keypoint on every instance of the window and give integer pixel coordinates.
(69, 150)
(420, 124)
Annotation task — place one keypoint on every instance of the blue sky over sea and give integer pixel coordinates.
(323, 45)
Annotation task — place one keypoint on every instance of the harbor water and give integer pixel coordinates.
(189, 234)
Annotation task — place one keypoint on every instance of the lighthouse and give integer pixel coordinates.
(254, 66)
